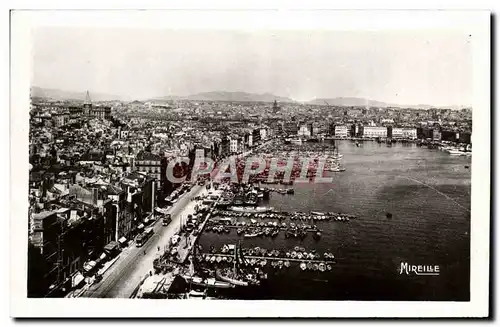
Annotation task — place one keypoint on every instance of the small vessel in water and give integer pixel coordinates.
(317, 213)
(251, 209)
(228, 279)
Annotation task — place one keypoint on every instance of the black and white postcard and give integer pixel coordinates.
(307, 163)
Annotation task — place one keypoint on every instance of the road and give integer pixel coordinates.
(120, 280)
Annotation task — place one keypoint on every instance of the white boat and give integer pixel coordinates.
(251, 209)
(251, 235)
(196, 294)
(212, 282)
(230, 280)
(317, 213)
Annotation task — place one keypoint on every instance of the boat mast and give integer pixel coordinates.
(235, 259)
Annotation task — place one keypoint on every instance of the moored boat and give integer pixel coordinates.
(251, 209)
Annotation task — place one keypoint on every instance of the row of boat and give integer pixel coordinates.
(313, 215)
(296, 253)
(277, 264)
(224, 223)
(282, 190)
(256, 231)
(315, 266)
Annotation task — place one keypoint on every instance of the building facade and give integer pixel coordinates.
(341, 131)
(374, 131)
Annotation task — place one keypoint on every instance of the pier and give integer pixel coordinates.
(272, 258)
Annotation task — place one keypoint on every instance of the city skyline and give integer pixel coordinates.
(143, 64)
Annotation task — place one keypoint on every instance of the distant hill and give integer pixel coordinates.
(350, 102)
(57, 94)
(237, 97)
(362, 102)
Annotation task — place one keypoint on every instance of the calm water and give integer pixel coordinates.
(428, 193)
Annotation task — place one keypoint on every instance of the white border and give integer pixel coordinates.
(477, 23)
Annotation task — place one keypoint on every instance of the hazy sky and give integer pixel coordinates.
(424, 67)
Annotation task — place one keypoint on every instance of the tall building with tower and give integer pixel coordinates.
(87, 105)
(100, 112)
(276, 107)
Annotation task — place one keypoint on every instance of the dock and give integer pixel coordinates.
(272, 258)
(270, 227)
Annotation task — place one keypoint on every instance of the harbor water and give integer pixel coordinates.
(427, 191)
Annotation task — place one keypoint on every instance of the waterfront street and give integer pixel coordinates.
(122, 278)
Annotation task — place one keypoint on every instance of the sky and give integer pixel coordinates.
(400, 67)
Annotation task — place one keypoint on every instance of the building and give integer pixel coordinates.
(123, 133)
(87, 105)
(71, 233)
(305, 130)
(263, 134)
(225, 146)
(436, 134)
(409, 133)
(340, 131)
(123, 218)
(290, 128)
(234, 145)
(248, 137)
(397, 133)
(75, 112)
(276, 107)
(141, 195)
(101, 113)
(374, 131)
(60, 119)
(256, 136)
(150, 164)
(356, 130)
